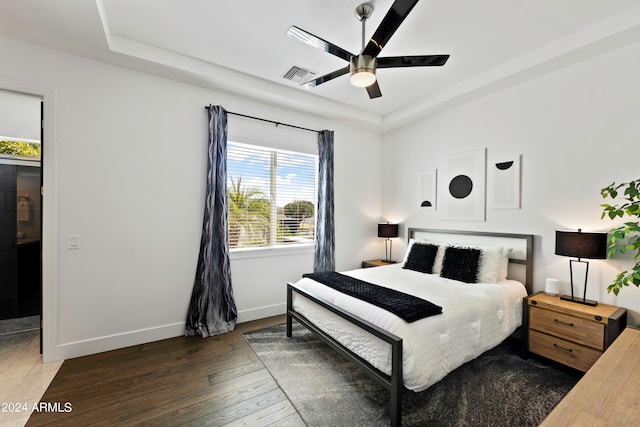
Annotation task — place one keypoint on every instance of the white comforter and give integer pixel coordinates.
(475, 318)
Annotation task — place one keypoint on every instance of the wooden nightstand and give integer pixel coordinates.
(573, 334)
(376, 263)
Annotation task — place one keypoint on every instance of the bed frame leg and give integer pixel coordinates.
(396, 386)
(289, 308)
(396, 409)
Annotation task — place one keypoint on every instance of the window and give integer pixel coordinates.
(271, 196)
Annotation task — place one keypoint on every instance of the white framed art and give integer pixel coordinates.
(504, 182)
(427, 182)
(462, 186)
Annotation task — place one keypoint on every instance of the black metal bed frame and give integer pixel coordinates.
(394, 382)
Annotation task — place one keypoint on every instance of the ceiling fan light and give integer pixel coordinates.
(363, 70)
(363, 79)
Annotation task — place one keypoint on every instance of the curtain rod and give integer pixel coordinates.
(269, 121)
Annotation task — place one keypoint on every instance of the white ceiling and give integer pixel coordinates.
(241, 46)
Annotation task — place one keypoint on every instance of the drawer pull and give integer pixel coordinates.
(568, 350)
(563, 323)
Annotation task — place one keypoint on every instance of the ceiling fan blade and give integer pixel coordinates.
(412, 61)
(317, 42)
(326, 77)
(390, 23)
(374, 90)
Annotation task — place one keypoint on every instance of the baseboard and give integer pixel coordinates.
(113, 342)
(261, 312)
(142, 336)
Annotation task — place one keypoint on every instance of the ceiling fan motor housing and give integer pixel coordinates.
(363, 70)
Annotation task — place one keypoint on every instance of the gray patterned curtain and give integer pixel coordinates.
(324, 259)
(212, 309)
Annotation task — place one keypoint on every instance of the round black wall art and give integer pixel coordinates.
(460, 186)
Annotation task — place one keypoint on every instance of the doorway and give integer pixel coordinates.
(20, 212)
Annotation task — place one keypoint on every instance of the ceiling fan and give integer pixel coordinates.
(363, 66)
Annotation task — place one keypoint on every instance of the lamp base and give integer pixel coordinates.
(579, 300)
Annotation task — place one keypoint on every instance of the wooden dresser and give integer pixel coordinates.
(569, 333)
(607, 395)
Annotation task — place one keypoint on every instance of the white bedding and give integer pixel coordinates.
(475, 318)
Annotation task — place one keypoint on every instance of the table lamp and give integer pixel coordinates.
(581, 245)
(388, 231)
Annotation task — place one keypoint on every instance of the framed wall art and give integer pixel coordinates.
(504, 182)
(461, 189)
(427, 190)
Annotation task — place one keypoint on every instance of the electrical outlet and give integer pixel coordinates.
(73, 241)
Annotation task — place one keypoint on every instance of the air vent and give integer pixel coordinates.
(299, 74)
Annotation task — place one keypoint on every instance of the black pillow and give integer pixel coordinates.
(461, 264)
(421, 257)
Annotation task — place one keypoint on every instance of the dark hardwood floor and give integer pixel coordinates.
(175, 382)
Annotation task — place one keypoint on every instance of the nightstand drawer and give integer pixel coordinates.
(581, 331)
(566, 352)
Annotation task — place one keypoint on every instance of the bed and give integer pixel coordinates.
(413, 355)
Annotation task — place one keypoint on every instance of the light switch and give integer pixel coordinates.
(73, 241)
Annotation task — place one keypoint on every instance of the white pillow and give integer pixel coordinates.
(437, 263)
(503, 270)
(490, 263)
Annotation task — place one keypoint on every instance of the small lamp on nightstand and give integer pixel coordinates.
(388, 231)
(581, 245)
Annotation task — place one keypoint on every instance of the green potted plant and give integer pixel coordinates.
(624, 238)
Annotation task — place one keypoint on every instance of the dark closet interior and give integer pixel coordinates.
(20, 232)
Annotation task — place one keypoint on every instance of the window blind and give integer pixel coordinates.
(271, 196)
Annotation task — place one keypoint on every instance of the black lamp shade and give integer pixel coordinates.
(388, 230)
(581, 245)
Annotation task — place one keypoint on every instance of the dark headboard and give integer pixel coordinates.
(520, 261)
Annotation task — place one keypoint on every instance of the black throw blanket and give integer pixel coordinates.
(405, 306)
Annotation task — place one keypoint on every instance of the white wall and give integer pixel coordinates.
(125, 155)
(577, 131)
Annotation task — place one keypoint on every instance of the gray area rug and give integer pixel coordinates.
(499, 388)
